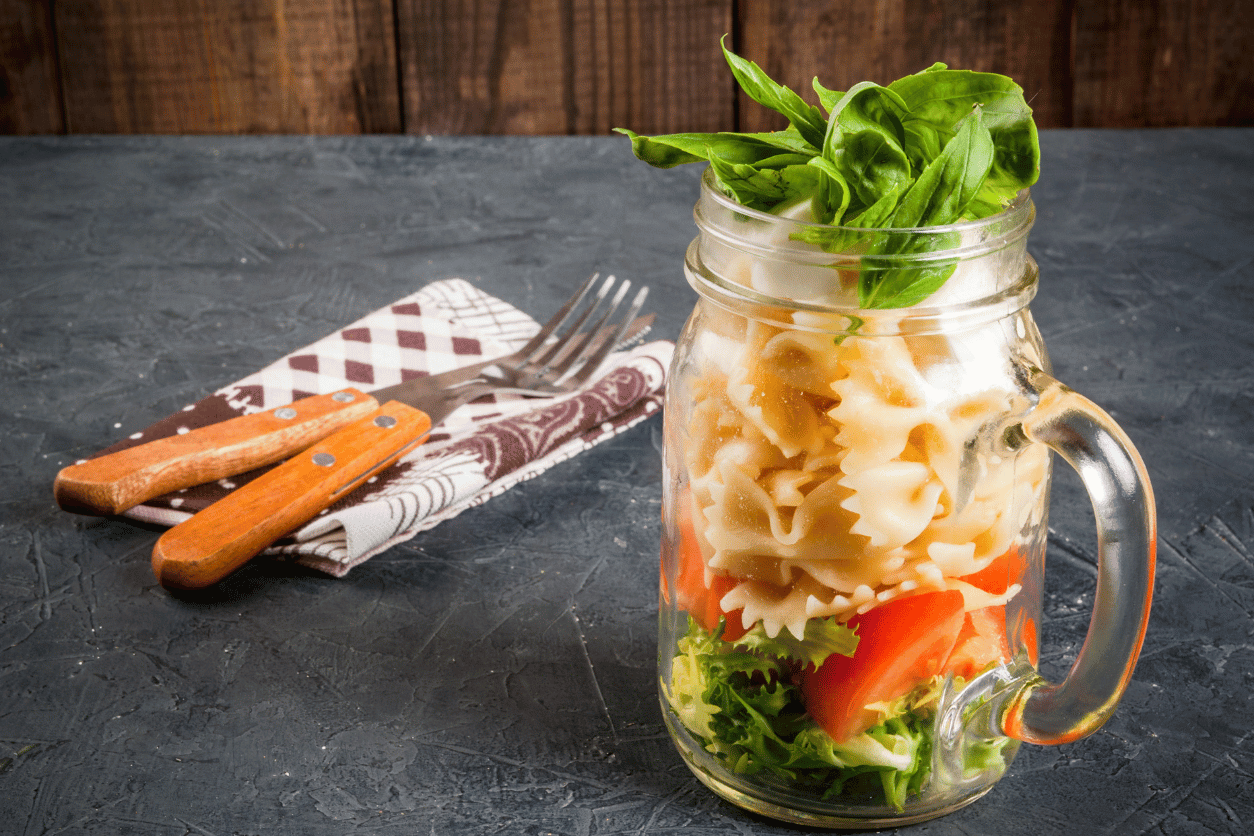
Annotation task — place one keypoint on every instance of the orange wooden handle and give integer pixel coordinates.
(226, 535)
(112, 483)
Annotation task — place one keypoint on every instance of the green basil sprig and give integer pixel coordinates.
(930, 149)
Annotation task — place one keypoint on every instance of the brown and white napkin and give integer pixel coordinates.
(479, 451)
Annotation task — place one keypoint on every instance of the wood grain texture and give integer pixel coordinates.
(228, 66)
(846, 43)
(30, 92)
(586, 66)
(112, 483)
(223, 537)
(1159, 63)
(563, 66)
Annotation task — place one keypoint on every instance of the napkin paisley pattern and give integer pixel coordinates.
(479, 451)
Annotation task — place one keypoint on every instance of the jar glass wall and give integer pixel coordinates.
(853, 538)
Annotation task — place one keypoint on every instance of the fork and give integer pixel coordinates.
(547, 365)
(223, 537)
(559, 358)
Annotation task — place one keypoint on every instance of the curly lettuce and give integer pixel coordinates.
(742, 705)
(739, 700)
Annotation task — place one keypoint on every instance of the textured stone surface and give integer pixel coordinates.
(496, 675)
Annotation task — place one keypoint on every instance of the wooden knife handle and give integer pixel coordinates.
(223, 537)
(112, 483)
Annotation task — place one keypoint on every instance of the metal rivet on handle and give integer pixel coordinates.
(343, 397)
(385, 421)
(323, 459)
(286, 413)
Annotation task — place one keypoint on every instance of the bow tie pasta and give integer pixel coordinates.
(830, 475)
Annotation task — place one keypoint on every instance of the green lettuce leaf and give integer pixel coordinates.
(823, 637)
(741, 704)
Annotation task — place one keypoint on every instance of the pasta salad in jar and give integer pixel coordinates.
(854, 515)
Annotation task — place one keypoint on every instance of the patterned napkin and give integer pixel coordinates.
(479, 451)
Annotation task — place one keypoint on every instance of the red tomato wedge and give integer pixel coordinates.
(983, 637)
(700, 601)
(981, 640)
(901, 644)
(1000, 574)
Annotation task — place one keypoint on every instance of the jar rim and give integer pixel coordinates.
(851, 320)
(728, 229)
(1016, 213)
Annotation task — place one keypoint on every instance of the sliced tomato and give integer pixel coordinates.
(981, 640)
(999, 575)
(901, 644)
(700, 601)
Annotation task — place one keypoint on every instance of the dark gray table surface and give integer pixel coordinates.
(497, 674)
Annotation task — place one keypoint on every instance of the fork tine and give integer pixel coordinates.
(558, 348)
(555, 371)
(562, 363)
(542, 336)
(593, 362)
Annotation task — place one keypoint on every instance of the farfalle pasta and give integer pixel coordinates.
(830, 474)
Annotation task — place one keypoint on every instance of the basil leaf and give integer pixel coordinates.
(924, 142)
(783, 161)
(830, 204)
(950, 182)
(847, 237)
(938, 197)
(834, 194)
(943, 97)
(671, 150)
(1016, 162)
(931, 148)
(874, 166)
(884, 282)
(880, 213)
(987, 202)
(864, 140)
(828, 98)
(807, 119)
(940, 98)
(868, 106)
(764, 189)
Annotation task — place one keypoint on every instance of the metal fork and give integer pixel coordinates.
(559, 359)
(224, 536)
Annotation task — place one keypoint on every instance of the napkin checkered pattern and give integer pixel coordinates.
(479, 451)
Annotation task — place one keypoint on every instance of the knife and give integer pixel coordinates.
(112, 483)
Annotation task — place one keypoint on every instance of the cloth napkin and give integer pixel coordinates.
(479, 451)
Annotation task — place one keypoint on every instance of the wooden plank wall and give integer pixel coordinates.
(586, 66)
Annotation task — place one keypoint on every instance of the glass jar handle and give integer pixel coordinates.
(1114, 475)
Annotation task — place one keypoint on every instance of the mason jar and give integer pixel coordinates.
(858, 430)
